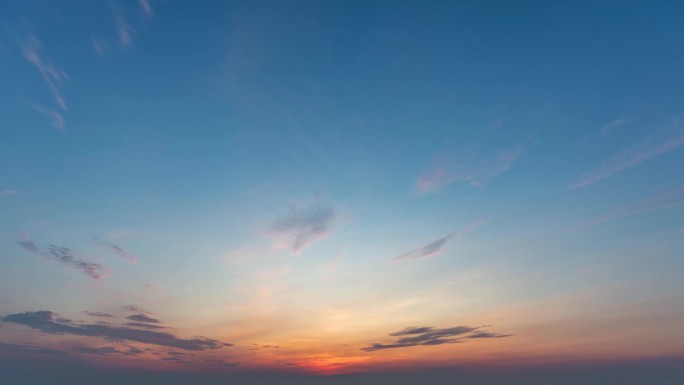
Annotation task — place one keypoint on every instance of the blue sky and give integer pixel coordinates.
(321, 175)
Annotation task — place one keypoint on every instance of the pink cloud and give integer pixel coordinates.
(55, 117)
(473, 167)
(52, 76)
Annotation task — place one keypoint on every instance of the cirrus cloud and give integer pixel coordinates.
(66, 257)
(472, 167)
(434, 248)
(661, 142)
(664, 201)
(118, 250)
(304, 225)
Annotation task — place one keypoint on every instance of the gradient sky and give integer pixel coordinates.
(340, 187)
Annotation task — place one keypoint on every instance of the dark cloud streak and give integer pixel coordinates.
(434, 248)
(429, 336)
(109, 351)
(66, 257)
(143, 318)
(49, 322)
(32, 349)
(144, 325)
(98, 314)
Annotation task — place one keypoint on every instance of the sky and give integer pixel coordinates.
(395, 192)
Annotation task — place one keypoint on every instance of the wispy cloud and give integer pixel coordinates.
(128, 19)
(434, 248)
(137, 309)
(32, 349)
(304, 225)
(151, 289)
(49, 322)
(98, 314)
(118, 250)
(421, 336)
(146, 7)
(98, 44)
(612, 126)
(428, 250)
(124, 30)
(223, 363)
(109, 351)
(266, 347)
(144, 325)
(142, 318)
(178, 360)
(7, 192)
(66, 257)
(55, 117)
(473, 167)
(53, 77)
(663, 201)
(664, 141)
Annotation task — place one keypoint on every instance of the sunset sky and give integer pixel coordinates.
(315, 188)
